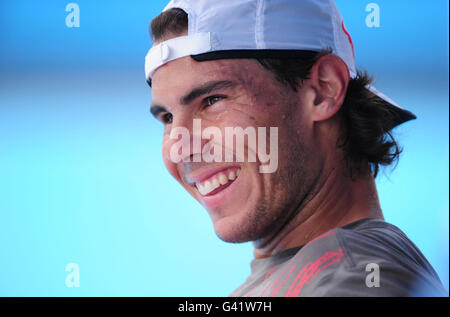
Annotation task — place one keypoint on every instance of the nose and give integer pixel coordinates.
(184, 142)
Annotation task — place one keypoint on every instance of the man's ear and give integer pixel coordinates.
(329, 78)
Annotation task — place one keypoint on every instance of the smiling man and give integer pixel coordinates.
(277, 79)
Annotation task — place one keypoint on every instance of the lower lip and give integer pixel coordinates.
(213, 201)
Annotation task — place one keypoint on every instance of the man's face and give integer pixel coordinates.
(238, 93)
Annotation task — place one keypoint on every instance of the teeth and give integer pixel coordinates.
(216, 181)
(223, 179)
(208, 187)
(201, 189)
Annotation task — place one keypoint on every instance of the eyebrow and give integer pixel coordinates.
(195, 93)
(204, 89)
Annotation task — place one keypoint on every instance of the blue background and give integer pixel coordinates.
(81, 175)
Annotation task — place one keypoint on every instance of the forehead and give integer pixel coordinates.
(185, 73)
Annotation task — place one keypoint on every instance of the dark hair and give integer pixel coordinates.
(173, 21)
(365, 139)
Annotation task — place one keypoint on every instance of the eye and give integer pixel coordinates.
(166, 118)
(212, 100)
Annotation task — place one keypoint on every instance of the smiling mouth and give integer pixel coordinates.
(217, 182)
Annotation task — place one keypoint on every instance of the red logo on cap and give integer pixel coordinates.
(349, 38)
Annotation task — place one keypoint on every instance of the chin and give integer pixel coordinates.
(232, 237)
(234, 231)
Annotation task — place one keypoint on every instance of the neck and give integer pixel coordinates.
(339, 201)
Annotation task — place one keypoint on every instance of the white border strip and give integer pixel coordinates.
(175, 48)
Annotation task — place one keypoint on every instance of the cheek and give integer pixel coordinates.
(237, 114)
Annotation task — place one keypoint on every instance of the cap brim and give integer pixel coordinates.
(399, 114)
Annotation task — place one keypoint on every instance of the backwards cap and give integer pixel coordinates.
(219, 29)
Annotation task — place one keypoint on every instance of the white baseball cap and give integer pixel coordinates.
(219, 29)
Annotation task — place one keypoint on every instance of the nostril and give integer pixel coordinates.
(197, 157)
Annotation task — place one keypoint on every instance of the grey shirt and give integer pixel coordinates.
(369, 257)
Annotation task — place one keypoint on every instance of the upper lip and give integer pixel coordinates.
(203, 174)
